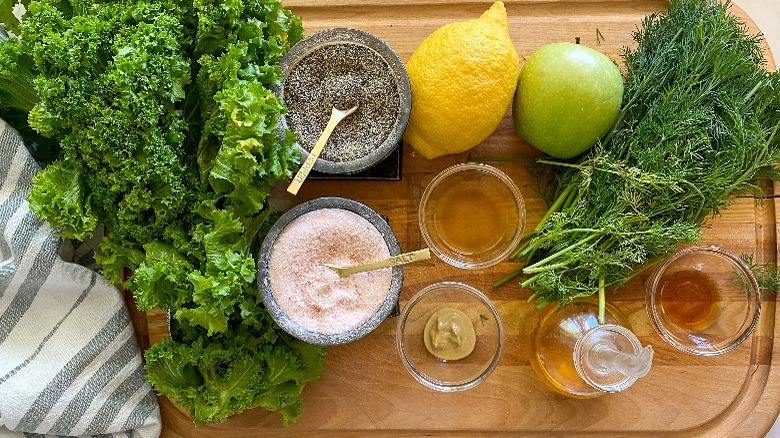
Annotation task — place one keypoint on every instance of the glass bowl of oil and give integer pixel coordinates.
(472, 215)
(703, 300)
(444, 353)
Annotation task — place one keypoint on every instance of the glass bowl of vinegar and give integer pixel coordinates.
(703, 300)
(472, 215)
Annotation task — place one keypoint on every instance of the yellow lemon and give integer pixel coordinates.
(463, 77)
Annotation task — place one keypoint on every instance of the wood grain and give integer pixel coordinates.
(365, 391)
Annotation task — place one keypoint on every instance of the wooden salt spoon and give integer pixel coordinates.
(336, 116)
(400, 259)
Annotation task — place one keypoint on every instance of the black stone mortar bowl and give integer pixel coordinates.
(264, 283)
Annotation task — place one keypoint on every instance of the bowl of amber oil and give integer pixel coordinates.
(449, 336)
(311, 301)
(703, 300)
(343, 68)
(472, 215)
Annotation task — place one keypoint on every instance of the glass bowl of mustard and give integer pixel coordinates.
(450, 337)
(703, 300)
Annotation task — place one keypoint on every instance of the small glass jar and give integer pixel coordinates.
(576, 356)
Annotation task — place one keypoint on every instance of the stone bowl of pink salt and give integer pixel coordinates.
(309, 300)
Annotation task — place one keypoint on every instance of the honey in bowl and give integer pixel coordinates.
(689, 300)
(470, 217)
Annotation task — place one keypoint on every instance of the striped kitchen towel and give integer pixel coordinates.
(69, 361)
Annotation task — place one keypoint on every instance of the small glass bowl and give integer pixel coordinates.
(472, 215)
(703, 300)
(450, 375)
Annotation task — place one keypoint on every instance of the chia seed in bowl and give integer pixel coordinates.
(344, 68)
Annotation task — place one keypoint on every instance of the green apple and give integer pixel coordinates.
(568, 97)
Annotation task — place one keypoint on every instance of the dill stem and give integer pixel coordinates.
(524, 237)
(507, 278)
(753, 91)
(545, 268)
(556, 206)
(561, 252)
(529, 281)
(602, 300)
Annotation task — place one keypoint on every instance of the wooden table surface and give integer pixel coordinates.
(365, 390)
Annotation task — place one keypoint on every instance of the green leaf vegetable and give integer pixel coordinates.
(169, 137)
(698, 124)
(7, 17)
(18, 96)
(256, 365)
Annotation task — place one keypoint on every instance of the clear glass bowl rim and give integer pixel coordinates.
(487, 169)
(434, 384)
(754, 299)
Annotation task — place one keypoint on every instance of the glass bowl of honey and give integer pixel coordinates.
(472, 215)
(703, 300)
(450, 336)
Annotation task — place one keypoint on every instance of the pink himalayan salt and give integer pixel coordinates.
(314, 296)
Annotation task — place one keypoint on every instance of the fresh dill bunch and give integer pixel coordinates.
(698, 125)
(767, 274)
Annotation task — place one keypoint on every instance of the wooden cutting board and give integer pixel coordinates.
(365, 390)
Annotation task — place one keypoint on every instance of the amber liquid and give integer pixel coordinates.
(688, 299)
(554, 333)
(470, 220)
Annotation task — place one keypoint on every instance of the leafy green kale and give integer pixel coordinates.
(17, 75)
(253, 366)
(7, 16)
(698, 124)
(18, 97)
(108, 86)
(169, 136)
(63, 199)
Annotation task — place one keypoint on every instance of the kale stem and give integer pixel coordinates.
(561, 252)
(602, 300)
(507, 278)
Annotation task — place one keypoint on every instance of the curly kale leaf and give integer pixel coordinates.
(60, 196)
(250, 159)
(108, 86)
(17, 75)
(166, 109)
(256, 366)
